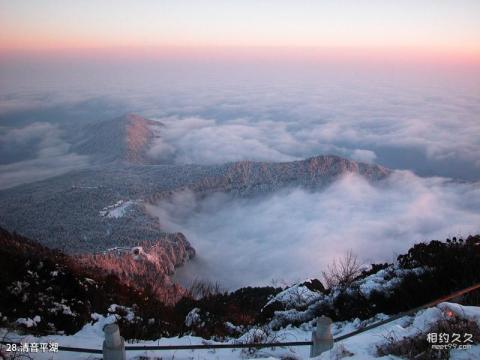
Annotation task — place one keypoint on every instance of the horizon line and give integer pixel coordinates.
(411, 53)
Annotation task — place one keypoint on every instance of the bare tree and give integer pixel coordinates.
(342, 271)
(204, 288)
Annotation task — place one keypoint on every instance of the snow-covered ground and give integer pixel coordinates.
(296, 296)
(362, 346)
(117, 210)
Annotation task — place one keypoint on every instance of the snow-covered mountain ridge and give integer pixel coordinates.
(63, 211)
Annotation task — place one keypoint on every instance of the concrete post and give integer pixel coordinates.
(321, 337)
(114, 344)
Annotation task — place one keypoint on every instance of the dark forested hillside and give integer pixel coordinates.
(46, 291)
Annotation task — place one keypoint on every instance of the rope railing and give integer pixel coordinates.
(311, 343)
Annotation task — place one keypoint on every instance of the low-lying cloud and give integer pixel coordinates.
(35, 152)
(422, 129)
(294, 234)
(426, 146)
(195, 140)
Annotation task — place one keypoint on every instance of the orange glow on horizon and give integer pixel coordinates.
(246, 53)
(435, 32)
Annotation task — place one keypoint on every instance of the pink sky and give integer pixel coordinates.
(425, 31)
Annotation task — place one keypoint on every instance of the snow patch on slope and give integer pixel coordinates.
(385, 279)
(117, 210)
(296, 296)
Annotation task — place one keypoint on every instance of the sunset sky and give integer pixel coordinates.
(429, 27)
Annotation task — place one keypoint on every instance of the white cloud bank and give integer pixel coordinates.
(294, 234)
(437, 135)
(47, 154)
(206, 141)
(425, 120)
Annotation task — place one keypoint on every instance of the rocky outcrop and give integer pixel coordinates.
(45, 290)
(148, 265)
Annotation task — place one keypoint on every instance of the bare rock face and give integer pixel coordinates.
(148, 265)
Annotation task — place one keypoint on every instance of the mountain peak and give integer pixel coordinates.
(139, 135)
(125, 138)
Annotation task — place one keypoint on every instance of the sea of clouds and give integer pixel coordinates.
(424, 121)
(421, 119)
(34, 152)
(294, 234)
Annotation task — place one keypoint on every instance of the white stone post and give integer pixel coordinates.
(114, 344)
(321, 337)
